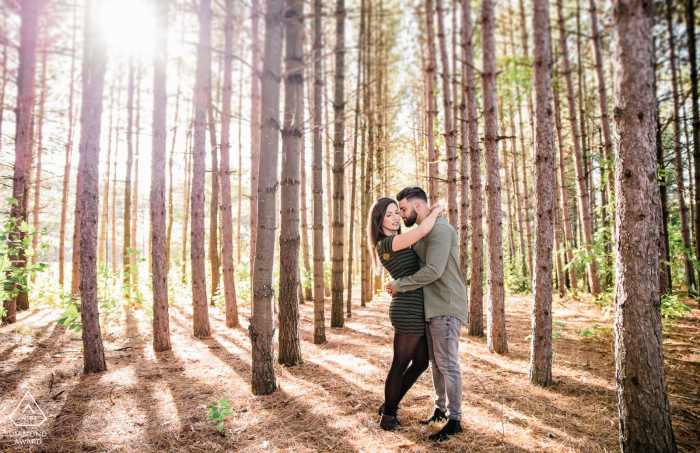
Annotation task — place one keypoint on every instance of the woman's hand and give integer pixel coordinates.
(437, 208)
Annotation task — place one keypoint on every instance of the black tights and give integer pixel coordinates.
(407, 349)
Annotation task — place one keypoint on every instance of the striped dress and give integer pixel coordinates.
(406, 309)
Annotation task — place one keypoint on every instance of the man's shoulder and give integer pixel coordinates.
(441, 228)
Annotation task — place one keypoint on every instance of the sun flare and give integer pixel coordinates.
(128, 25)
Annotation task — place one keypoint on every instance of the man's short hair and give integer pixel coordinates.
(412, 192)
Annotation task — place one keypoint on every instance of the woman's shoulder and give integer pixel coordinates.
(384, 246)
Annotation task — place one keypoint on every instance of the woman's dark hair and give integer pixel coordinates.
(375, 232)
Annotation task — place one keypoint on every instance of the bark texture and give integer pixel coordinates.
(262, 323)
(317, 174)
(202, 87)
(540, 371)
(645, 422)
(495, 296)
(226, 214)
(159, 255)
(289, 333)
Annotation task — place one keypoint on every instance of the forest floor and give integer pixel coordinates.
(158, 402)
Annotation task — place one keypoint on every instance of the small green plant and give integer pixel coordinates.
(218, 411)
(71, 317)
(15, 256)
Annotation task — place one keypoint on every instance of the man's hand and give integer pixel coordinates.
(390, 288)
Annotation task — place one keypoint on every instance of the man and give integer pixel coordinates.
(445, 301)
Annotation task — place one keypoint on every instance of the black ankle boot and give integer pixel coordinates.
(390, 423)
(450, 429)
(381, 409)
(437, 416)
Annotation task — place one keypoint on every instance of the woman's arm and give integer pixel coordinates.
(409, 238)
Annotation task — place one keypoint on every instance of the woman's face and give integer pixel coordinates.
(392, 218)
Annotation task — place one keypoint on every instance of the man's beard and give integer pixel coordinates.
(411, 219)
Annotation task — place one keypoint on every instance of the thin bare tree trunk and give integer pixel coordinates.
(516, 185)
(495, 297)
(69, 152)
(202, 91)
(94, 67)
(39, 152)
(26, 74)
(568, 235)
(126, 255)
(186, 199)
(226, 217)
(682, 206)
(561, 279)
(289, 330)
(450, 137)
(135, 188)
(317, 172)
(214, 205)
(465, 149)
(511, 238)
(693, 60)
(603, 103)
(665, 276)
(337, 319)
(102, 250)
(159, 253)
(306, 293)
(433, 190)
(645, 419)
(476, 285)
(254, 131)
(240, 166)
(540, 371)
(262, 323)
(584, 207)
(5, 71)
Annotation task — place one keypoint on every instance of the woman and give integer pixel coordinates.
(393, 250)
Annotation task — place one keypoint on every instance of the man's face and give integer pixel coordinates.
(408, 212)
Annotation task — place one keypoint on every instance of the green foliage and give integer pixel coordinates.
(671, 308)
(515, 280)
(71, 317)
(16, 251)
(218, 411)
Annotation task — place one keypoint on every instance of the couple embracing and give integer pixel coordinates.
(428, 306)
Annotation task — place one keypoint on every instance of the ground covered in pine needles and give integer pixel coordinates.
(158, 402)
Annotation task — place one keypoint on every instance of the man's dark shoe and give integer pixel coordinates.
(438, 416)
(390, 423)
(450, 429)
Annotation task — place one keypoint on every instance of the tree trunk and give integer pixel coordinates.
(214, 205)
(603, 103)
(39, 152)
(159, 255)
(114, 189)
(135, 189)
(526, 197)
(568, 235)
(5, 71)
(304, 225)
(226, 214)
(338, 168)
(561, 278)
(26, 74)
(540, 371)
(665, 276)
(645, 420)
(693, 59)
(682, 206)
(433, 190)
(511, 237)
(476, 285)
(516, 185)
(464, 144)
(496, 320)
(584, 208)
(450, 136)
(289, 331)
(254, 132)
(94, 67)
(169, 230)
(317, 174)
(126, 256)
(240, 166)
(186, 199)
(262, 323)
(202, 91)
(102, 250)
